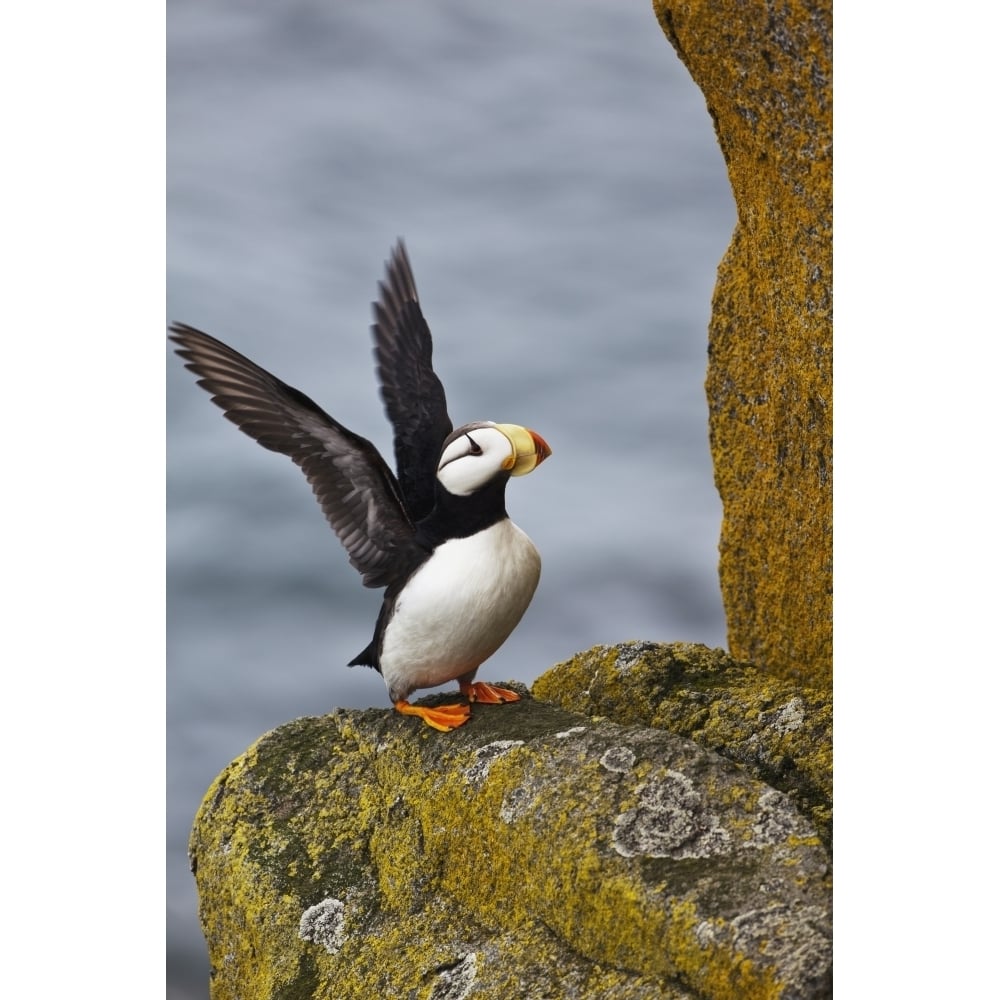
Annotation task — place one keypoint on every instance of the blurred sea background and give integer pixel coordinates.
(556, 177)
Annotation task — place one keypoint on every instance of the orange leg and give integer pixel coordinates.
(443, 717)
(488, 694)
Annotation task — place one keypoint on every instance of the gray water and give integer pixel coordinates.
(555, 174)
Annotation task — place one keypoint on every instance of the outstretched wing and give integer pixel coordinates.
(413, 395)
(356, 489)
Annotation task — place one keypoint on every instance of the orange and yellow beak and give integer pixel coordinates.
(530, 449)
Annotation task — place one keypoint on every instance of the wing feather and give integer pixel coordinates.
(355, 488)
(413, 395)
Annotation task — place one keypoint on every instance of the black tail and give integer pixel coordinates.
(366, 658)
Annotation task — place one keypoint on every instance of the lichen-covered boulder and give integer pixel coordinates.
(779, 731)
(531, 853)
(766, 71)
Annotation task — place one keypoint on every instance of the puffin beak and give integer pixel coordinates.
(530, 449)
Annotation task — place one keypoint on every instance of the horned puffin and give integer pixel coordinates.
(458, 573)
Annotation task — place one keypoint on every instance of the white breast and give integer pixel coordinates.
(459, 608)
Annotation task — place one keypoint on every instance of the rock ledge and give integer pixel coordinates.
(531, 853)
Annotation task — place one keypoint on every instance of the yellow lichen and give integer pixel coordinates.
(727, 706)
(711, 970)
(416, 844)
(766, 76)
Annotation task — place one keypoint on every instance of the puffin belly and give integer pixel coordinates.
(459, 608)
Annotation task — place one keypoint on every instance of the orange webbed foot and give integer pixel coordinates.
(487, 694)
(441, 717)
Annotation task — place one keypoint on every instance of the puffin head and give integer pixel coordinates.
(475, 454)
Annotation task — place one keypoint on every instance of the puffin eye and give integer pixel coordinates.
(474, 448)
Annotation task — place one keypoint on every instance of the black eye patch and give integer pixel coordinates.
(474, 449)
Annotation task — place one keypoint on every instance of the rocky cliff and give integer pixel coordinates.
(766, 71)
(532, 853)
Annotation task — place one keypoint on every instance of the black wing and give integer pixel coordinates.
(356, 489)
(413, 394)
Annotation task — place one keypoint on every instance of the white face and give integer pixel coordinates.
(474, 458)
